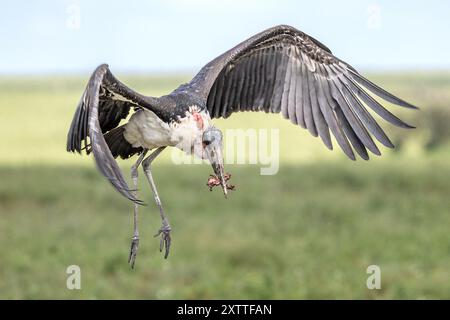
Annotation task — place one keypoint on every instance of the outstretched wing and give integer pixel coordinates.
(284, 70)
(104, 103)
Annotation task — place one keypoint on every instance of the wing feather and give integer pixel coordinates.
(226, 96)
(310, 103)
(299, 110)
(351, 135)
(380, 91)
(286, 87)
(292, 89)
(328, 112)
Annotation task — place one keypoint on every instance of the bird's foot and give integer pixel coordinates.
(214, 181)
(165, 240)
(133, 251)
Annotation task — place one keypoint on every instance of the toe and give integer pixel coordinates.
(167, 242)
(161, 243)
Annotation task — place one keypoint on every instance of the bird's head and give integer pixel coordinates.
(212, 146)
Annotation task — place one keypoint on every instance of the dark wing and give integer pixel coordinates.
(284, 70)
(104, 103)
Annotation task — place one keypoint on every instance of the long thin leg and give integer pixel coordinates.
(135, 239)
(165, 229)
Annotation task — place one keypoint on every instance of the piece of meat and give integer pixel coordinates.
(214, 181)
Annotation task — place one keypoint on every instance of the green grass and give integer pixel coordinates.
(308, 232)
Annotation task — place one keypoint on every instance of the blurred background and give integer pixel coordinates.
(308, 232)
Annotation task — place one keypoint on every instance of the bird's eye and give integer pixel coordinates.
(206, 142)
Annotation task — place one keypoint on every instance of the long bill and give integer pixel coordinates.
(215, 157)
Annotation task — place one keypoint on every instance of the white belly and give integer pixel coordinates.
(146, 130)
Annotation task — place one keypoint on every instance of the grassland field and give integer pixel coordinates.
(309, 231)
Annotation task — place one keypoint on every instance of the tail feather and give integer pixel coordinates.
(118, 145)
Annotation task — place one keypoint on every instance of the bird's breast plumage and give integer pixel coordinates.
(145, 129)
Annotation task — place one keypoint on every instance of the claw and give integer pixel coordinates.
(133, 251)
(165, 240)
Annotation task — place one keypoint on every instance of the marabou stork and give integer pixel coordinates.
(278, 70)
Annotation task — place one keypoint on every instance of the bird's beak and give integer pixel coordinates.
(215, 156)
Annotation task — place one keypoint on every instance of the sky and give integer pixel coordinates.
(74, 36)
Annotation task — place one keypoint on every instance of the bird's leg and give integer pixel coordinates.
(165, 229)
(135, 238)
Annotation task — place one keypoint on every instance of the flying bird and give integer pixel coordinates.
(280, 70)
